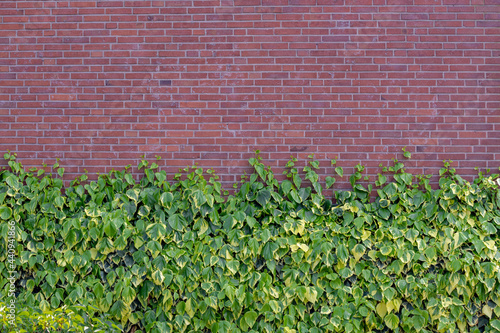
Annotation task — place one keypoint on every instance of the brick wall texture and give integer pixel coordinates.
(100, 83)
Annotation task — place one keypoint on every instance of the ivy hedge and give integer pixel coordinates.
(66, 319)
(186, 256)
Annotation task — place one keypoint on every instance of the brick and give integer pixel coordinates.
(100, 83)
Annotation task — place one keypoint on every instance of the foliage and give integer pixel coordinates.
(65, 319)
(185, 256)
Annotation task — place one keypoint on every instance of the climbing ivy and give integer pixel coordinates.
(275, 256)
(74, 319)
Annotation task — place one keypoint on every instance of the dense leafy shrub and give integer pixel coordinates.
(184, 256)
(66, 319)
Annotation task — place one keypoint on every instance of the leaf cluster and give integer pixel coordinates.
(185, 256)
(66, 319)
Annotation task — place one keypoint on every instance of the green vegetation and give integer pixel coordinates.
(185, 256)
(65, 320)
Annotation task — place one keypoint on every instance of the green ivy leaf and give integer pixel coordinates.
(250, 318)
(329, 181)
(166, 199)
(233, 266)
(176, 222)
(418, 322)
(392, 321)
(71, 238)
(297, 181)
(495, 324)
(5, 213)
(286, 186)
(158, 277)
(98, 290)
(128, 295)
(263, 197)
(133, 194)
(342, 253)
(198, 198)
(119, 309)
(110, 229)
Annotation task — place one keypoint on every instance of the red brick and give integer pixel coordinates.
(99, 83)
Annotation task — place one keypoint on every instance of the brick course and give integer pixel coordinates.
(100, 83)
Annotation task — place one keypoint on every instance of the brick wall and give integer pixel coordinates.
(100, 83)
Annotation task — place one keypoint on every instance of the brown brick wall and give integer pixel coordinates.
(100, 83)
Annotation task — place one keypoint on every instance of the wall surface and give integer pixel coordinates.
(100, 83)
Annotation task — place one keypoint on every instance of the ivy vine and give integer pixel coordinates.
(275, 256)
